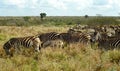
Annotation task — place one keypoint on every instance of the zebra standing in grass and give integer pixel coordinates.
(105, 42)
(76, 37)
(16, 43)
(50, 39)
(48, 36)
(53, 43)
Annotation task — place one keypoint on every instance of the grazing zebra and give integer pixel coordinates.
(50, 39)
(73, 38)
(53, 43)
(16, 43)
(105, 41)
(74, 31)
(48, 36)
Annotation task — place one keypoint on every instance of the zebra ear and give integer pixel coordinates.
(98, 36)
(57, 35)
(37, 35)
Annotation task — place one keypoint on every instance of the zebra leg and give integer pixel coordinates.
(39, 47)
(36, 47)
(7, 51)
(36, 44)
(17, 47)
(45, 44)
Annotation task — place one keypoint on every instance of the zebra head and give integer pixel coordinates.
(95, 37)
(7, 47)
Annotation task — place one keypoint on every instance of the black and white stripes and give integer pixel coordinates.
(50, 39)
(106, 36)
(73, 38)
(54, 38)
(48, 36)
(106, 42)
(16, 43)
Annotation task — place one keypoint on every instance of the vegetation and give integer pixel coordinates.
(86, 16)
(75, 57)
(42, 16)
(58, 20)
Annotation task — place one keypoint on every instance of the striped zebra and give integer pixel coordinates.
(50, 39)
(48, 36)
(53, 43)
(105, 41)
(76, 37)
(16, 43)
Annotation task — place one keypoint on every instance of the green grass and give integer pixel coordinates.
(75, 57)
(58, 20)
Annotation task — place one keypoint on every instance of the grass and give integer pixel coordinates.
(75, 57)
(58, 20)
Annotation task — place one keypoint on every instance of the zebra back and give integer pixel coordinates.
(73, 38)
(48, 36)
(106, 41)
(53, 43)
(16, 43)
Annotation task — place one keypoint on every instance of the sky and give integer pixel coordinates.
(59, 7)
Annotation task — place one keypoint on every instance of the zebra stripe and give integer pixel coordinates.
(53, 43)
(48, 36)
(105, 41)
(109, 43)
(115, 42)
(16, 43)
(72, 38)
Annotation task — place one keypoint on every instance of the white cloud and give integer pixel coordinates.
(111, 4)
(114, 2)
(18, 3)
(74, 4)
(82, 4)
(64, 4)
(58, 4)
(33, 3)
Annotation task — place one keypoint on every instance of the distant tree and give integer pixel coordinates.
(86, 16)
(42, 15)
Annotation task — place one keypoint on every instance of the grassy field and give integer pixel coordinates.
(58, 20)
(75, 57)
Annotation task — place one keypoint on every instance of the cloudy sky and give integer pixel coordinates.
(59, 7)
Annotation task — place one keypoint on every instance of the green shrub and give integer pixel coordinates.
(2, 37)
(58, 20)
(26, 18)
(114, 56)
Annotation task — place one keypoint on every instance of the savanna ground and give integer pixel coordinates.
(75, 57)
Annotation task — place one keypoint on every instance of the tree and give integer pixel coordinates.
(86, 16)
(42, 15)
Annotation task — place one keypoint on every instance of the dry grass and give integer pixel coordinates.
(75, 57)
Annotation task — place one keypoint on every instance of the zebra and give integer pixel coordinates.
(53, 43)
(50, 39)
(105, 42)
(48, 36)
(17, 42)
(76, 37)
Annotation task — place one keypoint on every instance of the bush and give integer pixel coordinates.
(58, 20)
(114, 56)
(2, 37)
